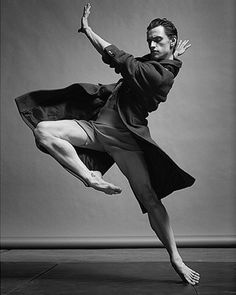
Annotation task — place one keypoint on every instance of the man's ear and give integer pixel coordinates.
(173, 41)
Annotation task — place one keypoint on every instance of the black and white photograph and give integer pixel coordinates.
(118, 139)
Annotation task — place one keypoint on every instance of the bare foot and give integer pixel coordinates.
(96, 182)
(187, 274)
(97, 173)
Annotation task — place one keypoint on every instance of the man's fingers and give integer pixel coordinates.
(186, 42)
(183, 43)
(180, 41)
(187, 46)
(87, 8)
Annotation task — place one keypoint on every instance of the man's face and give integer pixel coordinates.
(159, 43)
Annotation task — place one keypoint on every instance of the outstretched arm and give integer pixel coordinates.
(181, 48)
(98, 43)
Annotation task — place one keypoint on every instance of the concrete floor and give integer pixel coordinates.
(114, 271)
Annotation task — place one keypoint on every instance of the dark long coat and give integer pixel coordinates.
(144, 84)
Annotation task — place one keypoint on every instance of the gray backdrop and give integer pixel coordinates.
(42, 50)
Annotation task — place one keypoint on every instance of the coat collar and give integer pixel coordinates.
(173, 65)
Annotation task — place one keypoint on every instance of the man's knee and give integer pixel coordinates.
(148, 197)
(42, 132)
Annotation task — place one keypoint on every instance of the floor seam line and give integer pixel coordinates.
(33, 278)
(43, 272)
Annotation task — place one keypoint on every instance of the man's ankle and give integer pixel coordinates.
(175, 257)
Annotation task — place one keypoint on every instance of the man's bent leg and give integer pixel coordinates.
(133, 166)
(58, 138)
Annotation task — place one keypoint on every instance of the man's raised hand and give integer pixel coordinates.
(182, 47)
(84, 19)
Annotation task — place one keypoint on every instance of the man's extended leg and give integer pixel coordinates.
(133, 166)
(58, 138)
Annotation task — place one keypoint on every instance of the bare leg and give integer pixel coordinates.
(58, 137)
(133, 166)
(159, 221)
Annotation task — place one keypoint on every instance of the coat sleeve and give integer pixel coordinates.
(148, 78)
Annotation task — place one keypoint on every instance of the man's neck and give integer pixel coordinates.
(170, 56)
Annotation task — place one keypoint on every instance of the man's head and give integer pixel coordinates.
(162, 38)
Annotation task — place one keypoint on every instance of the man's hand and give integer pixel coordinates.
(181, 48)
(84, 19)
(98, 43)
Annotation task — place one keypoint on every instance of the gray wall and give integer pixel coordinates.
(42, 50)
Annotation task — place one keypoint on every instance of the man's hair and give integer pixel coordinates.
(169, 28)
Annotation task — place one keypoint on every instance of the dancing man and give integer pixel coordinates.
(87, 127)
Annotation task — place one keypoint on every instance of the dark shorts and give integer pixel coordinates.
(92, 142)
(108, 137)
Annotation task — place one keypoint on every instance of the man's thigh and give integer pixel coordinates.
(68, 130)
(133, 165)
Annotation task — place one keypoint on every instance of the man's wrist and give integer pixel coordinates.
(87, 30)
